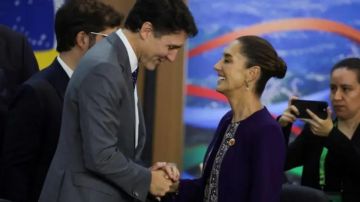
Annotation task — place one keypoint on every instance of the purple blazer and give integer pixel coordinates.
(252, 169)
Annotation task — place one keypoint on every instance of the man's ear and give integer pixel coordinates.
(82, 40)
(146, 30)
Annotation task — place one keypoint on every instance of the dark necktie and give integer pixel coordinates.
(134, 76)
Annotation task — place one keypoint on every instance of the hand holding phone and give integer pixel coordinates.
(317, 107)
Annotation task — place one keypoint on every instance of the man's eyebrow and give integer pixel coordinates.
(174, 46)
(227, 55)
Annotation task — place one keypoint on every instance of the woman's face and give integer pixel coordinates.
(345, 93)
(231, 70)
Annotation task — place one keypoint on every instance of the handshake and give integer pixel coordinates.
(164, 178)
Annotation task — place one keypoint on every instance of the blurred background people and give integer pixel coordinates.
(34, 120)
(245, 159)
(17, 64)
(329, 149)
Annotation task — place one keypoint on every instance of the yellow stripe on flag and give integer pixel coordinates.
(45, 58)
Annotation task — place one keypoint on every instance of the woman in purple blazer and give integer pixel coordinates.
(245, 160)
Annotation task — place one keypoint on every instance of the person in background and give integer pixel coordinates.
(329, 149)
(17, 64)
(245, 159)
(103, 133)
(33, 125)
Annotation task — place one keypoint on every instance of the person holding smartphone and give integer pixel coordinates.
(329, 149)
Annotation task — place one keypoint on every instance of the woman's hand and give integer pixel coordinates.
(289, 115)
(318, 126)
(170, 169)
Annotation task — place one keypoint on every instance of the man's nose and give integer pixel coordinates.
(172, 55)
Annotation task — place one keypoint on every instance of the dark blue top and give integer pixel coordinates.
(252, 169)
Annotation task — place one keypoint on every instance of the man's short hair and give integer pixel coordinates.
(82, 15)
(166, 16)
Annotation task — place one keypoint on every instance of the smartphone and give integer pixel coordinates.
(317, 107)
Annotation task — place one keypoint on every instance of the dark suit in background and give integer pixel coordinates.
(34, 119)
(32, 132)
(17, 64)
(102, 130)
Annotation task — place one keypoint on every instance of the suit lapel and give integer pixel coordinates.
(123, 60)
(142, 133)
(124, 63)
(215, 144)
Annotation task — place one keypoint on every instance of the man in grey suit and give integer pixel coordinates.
(34, 116)
(103, 132)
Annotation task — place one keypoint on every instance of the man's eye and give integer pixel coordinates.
(346, 89)
(172, 47)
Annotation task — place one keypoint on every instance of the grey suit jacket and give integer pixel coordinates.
(95, 160)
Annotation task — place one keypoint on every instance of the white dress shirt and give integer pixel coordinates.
(133, 65)
(65, 67)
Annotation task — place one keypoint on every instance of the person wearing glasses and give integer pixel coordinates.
(33, 126)
(100, 34)
(103, 131)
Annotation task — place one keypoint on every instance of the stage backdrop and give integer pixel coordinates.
(35, 19)
(309, 35)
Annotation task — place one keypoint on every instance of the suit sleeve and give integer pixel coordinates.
(268, 156)
(21, 143)
(100, 96)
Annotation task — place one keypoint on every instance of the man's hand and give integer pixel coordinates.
(170, 169)
(165, 178)
(160, 183)
(174, 187)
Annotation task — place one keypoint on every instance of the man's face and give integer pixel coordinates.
(157, 49)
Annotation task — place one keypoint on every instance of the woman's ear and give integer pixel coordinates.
(253, 73)
(82, 40)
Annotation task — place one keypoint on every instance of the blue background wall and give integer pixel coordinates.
(309, 35)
